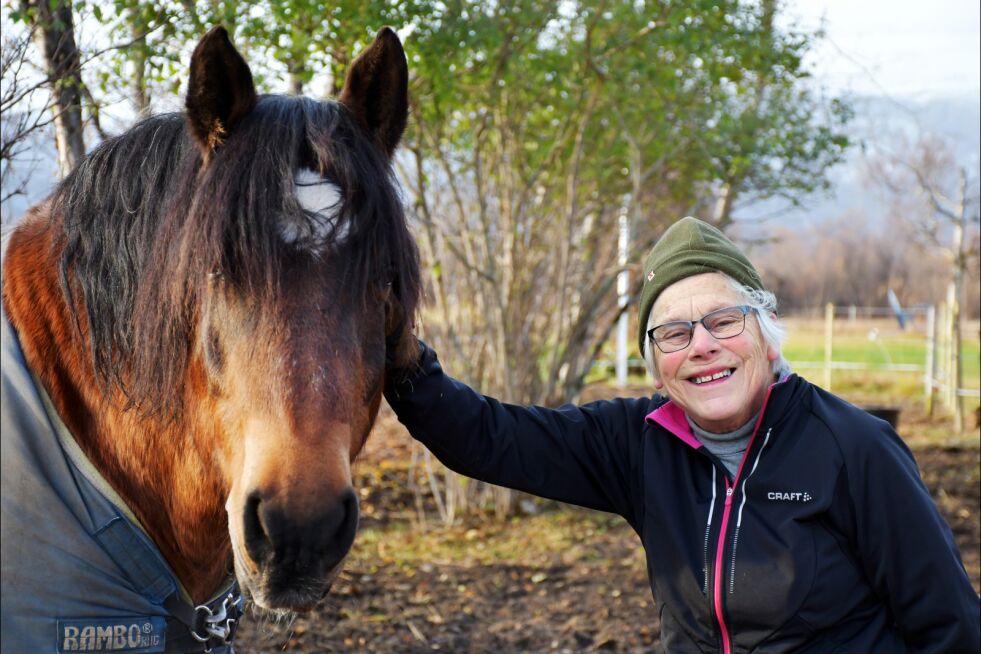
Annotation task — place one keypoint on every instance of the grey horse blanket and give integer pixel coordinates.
(78, 572)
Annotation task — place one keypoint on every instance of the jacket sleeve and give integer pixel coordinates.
(907, 549)
(581, 455)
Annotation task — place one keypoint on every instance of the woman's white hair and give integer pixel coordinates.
(765, 304)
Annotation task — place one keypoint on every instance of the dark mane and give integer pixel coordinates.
(145, 227)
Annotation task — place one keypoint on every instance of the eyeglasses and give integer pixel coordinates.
(721, 323)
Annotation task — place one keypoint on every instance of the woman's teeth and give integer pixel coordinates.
(708, 378)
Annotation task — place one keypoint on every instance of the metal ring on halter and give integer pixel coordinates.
(215, 625)
(201, 615)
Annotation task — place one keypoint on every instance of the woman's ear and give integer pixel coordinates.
(772, 353)
(658, 384)
(652, 366)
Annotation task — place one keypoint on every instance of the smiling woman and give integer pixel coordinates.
(775, 517)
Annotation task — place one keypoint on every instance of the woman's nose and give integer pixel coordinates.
(702, 342)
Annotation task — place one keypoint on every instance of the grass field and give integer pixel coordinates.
(875, 344)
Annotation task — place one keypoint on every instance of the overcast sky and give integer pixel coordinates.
(904, 48)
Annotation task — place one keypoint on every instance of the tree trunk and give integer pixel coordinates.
(960, 263)
(55, 38)
(141, 98)
(295, 84)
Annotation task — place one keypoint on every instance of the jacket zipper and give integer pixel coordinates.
(720, 544)
(708, 530)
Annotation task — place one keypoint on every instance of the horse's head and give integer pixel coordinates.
(293, 270)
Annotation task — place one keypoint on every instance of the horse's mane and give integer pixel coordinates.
(145, 228)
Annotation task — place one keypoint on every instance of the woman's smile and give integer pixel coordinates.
(711, 378)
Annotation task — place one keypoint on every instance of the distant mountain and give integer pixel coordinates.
(878, 121)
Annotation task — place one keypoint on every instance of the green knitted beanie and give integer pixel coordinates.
(690, 247)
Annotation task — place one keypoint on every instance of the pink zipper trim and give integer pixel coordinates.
(717, 593)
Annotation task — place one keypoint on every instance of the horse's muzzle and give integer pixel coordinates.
(298, 559)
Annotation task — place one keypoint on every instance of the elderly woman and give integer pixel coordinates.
(775, 516)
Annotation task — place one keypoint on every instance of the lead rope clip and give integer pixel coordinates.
(219, 625)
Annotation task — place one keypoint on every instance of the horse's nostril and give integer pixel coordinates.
(345, 517)
(256, 539)
(344, 536)
(300, 548)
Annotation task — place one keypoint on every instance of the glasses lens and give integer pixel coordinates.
(672, 336)
(725, 323)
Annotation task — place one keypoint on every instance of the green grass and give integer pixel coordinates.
(857, 348)
(876, 344)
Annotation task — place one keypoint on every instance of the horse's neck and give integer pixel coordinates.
(171, 486)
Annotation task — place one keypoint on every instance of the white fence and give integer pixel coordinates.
(938, 366)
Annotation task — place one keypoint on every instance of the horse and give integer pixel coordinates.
(203, 310)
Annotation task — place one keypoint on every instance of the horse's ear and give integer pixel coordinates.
(377, 89)
(220, 91)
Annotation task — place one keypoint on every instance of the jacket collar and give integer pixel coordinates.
(671, 417)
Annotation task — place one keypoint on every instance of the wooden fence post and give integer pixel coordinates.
(942, 354)
(956, 370)
(829, 325)
(930, 367)
(950, 352)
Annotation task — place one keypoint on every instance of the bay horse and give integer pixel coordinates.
(203, 309)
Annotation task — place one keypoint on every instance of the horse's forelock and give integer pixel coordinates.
(146, 230)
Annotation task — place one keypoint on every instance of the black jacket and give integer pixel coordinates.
(827, 541)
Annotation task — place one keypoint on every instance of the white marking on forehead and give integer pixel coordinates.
(322, 202)
(316, 194)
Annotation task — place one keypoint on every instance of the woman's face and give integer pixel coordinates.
(717, 405)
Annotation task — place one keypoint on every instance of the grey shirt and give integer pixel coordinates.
(729, 447)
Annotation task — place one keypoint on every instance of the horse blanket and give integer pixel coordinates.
(79, 573)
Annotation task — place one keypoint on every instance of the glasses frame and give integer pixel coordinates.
(743, 308)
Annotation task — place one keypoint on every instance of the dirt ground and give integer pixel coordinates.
(569, 580)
